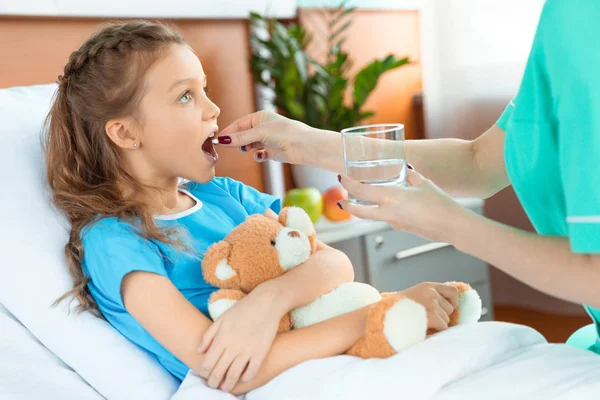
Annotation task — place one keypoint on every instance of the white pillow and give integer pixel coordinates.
(33, 271)
(29, 371)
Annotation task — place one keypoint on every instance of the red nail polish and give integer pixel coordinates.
(339, 206)
(339, 178)
(409, 166)
(259, 155)
(224, 140)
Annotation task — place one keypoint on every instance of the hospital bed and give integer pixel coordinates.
(52, 352)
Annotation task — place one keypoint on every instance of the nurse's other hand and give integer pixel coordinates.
(420, 208)
(275, 137)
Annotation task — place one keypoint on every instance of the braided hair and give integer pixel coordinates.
(102, 80)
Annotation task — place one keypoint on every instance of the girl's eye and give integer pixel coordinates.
(185, 98)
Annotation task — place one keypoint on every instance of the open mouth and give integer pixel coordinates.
(209, 149)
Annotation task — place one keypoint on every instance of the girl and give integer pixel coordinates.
(131, 119)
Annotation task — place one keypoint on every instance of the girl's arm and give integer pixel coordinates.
(175, 323)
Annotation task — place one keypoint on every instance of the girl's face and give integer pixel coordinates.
(179, 121)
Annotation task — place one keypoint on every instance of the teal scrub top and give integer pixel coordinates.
(552, 126)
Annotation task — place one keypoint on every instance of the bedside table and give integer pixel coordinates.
(390, 260)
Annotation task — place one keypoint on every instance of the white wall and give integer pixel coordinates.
(473, 56)
(224, 9)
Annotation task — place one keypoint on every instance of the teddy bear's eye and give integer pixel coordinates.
(273, 243)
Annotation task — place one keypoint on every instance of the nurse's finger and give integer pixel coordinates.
(370, 193)
(245, 123)
(261, 156)
(413, 178)
(248, 147)
(363, 211)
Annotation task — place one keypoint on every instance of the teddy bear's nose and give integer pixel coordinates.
(294, 234)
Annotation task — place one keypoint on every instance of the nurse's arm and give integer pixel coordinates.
(177, 325)
(463, 168)
(545, 263)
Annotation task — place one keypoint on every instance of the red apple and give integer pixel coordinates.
(330, 209)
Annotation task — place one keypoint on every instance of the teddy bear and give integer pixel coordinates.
(262, 248)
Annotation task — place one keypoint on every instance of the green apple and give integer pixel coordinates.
(308, 199)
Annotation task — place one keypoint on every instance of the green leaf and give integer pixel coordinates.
(295, 108)
(341, 15)
(339, 31)
(366, 79)
(365, 115)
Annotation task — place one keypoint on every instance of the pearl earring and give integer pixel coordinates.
(135, 145)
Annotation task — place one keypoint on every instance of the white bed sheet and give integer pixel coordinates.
(29, 371)
(490, 360)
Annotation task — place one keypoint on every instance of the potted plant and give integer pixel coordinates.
(319, 94)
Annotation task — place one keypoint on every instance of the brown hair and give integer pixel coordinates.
(101, 81)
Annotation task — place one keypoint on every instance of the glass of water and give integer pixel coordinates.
(374, 154)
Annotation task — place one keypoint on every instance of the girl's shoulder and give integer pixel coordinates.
(218, 185)
(102, 228)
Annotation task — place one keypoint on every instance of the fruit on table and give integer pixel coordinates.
(308, 199)
(330, 209)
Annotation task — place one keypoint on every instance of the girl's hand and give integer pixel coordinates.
(239, 340)
(281, 139)
(421, 208)
(439, 299)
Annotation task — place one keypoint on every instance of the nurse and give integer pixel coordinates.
(546, 145)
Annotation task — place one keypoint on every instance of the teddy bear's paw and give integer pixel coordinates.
(404, 323)
(469, 306)
(218, 307)
(221, 301)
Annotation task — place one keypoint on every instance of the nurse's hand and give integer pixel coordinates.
(282, 139)
(421, 208)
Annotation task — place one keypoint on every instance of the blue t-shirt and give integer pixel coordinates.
(113, 248)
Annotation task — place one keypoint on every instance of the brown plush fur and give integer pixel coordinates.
(374, 344)
(252, 265)
(249, 251)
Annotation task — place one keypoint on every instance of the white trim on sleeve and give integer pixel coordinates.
(584, 219)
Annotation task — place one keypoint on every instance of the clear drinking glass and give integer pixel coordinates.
(374, 154)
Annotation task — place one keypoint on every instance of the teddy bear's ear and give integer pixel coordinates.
(297, 219)
(216, 268)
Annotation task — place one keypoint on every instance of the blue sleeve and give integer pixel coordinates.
(251, 199)
(111, 250)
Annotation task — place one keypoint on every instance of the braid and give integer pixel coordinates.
(119, 37)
